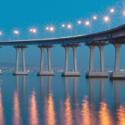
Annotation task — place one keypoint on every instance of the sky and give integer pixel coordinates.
(22, 15)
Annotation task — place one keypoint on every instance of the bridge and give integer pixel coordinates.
(114, 36)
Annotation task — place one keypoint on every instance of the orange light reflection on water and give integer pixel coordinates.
(17, 119)
(68, 112)
(85, 112)
(34, 120)
(1, 110)
(51, 111)
(104, 114)
(121, 115)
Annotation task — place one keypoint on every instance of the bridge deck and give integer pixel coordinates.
(116, 33)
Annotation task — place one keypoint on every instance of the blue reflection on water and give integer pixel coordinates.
(32, 100)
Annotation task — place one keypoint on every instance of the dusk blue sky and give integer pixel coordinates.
(25, 14)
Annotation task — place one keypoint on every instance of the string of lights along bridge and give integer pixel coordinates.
(70, 27)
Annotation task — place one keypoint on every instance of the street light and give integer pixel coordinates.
(112, 10)
(1, 35)
(69, 26)
(87, 23)
(47, 28)
(63, 25)
(31, 30)
(34, 30)
(123, 16)
(95, 17)
(52, 30)
(16, 32)
(78, 22)
(106, 19)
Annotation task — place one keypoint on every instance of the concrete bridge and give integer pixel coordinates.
(114, 36)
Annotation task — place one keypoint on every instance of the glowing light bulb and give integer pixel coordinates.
(47, 28)
(87, 23)
(16, 32)
(63, 25)
(112, 10)
(95, 17)
(106, 18)
(79, 22)
(51, 28)
(34, 31)
(31, 30)
(0, 33)
(69, 26)
(123, 13)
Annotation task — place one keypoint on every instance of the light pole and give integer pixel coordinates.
(1, 35)
(87, 23)
(106, 19)
(123, 11)
(34, 31)
(52, 30)
(123, 16)
(16, 32)
(47, 28)
(94, 18)
(62, 26)
(69, 26)
(78, 22)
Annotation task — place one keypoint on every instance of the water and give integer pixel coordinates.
(33, 100)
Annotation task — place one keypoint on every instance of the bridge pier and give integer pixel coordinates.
(67, 73)
(102, 73)
(17, 60)
(117, 74)
(43, 73)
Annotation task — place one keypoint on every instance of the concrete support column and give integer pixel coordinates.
(42, 73)
(17, 59)
(66, 58)
(102, 73)
(23, 59)
(75, 58)
(49, 60)
(101, 58)
(117, 74)
(41, 62)
(68, 73)
(117, 56)
(91, 57)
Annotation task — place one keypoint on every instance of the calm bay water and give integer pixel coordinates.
(33, 100)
